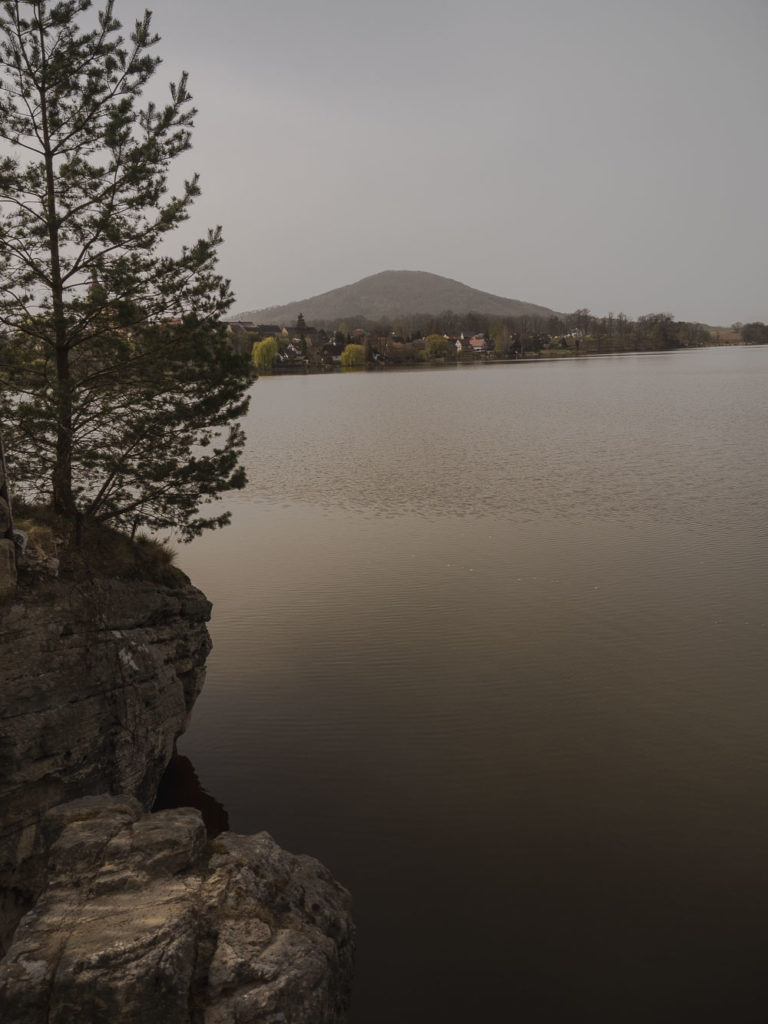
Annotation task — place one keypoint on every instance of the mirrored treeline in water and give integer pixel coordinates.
(180, 787)
(491, 643)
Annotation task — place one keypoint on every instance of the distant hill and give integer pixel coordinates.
(393, 294)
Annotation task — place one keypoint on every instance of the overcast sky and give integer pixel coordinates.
(611, 154)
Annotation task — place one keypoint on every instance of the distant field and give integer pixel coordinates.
(724, 335)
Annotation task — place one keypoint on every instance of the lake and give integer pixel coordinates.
(491, 643)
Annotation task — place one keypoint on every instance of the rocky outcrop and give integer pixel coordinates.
(143, 920)
(98, 680)
(134, 917)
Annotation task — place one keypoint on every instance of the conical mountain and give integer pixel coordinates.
(393, 294)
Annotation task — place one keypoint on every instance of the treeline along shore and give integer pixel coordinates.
(468, 338)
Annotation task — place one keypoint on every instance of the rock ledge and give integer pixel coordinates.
(98, 681)
(109, 914)
(143, 920)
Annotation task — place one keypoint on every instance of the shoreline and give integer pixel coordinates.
(538, 357)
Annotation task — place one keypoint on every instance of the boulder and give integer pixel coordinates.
(143, 920)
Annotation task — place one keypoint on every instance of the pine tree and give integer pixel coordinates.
(119, 391)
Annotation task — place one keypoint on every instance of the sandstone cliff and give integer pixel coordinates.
(137, 917)
(98, 679)
(143, 921)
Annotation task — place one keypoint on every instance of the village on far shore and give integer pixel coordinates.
(304, 348)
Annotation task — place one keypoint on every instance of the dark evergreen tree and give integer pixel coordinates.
(119, 390)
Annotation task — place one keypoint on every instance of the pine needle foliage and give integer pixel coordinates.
(119, 392)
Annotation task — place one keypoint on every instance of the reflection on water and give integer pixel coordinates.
(492, 644)
(180, 787)
(649, 436)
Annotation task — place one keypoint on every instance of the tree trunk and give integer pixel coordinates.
(63, 499)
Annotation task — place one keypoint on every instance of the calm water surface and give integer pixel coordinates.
(491, 643)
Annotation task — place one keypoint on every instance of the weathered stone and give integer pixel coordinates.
(138, 918)
(98, 681)
(239, 932)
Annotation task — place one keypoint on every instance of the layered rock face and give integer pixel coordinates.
(143, 921)
(137, 917)
(98, 680)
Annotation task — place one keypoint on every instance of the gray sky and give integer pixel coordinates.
(611, 154)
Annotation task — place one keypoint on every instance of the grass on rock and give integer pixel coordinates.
(99, 552)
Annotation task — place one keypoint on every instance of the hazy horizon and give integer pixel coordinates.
(592, 154)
